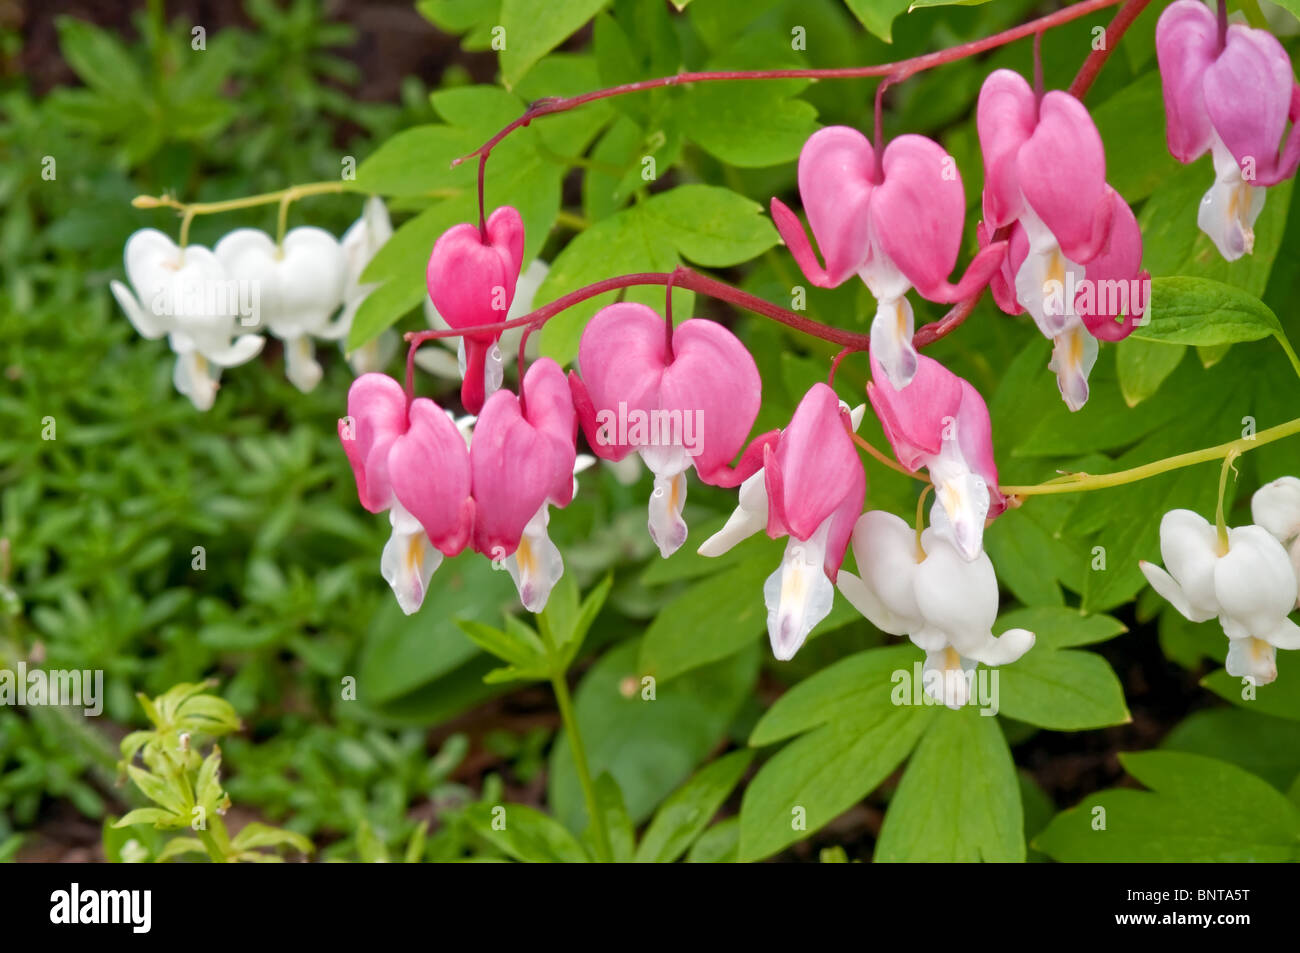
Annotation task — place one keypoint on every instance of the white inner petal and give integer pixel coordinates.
(948, 677)
(300, 363)
(1046, 280)
(1229, 209)
(409, 559)
(494, 371)
(798, 595)
(1252, 658)
(536, 565)
(748, 518)
(196, 378)
(667, 528)
(1073, 357)
(961, 499)
(891, 340)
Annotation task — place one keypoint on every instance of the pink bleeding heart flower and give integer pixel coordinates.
(941, 423)
(1112, 297)
(471, 279)
(811, 489)
(412, 462)
(1046, 171)
(522, 459)
(897, 223)
(815, 489)
(689, 406)
(1230, 94)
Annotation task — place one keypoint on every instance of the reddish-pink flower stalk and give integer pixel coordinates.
(558, 104)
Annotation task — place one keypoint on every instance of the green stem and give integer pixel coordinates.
(292, 194)
(1289, 350)
(210, 844)
(1220, 519)
(1084, 481)
(597, 819)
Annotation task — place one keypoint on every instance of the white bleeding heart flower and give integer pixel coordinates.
(185, 294)
(299, 286)
(945, 603)
(360, 243)
(441, 364)
(1276, 507)
(1250, 585)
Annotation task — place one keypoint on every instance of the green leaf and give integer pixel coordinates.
(180, 846)
(1265, 746)
(518, 645)
(878, 15)
(571, 643)
(525, 834)
(649, 744)
(255, 836)
(1198, 810)
(625, 243)
(714, 618)
(717, 845)
(417, 161)
(844, 690)
(1032, 559)
(1186, 310)
(1280, 699)
(1061, 689)
(101, 61)
(158, 790)
(685, 814)
(1132, 127)
(534, 29)
(153, 816)
(1143, 367)
(747, 124)
(1060, 628)
(711, 225)
(959, 799)
(622, 836)
(814, 779)
(401, 653)
(858, 737)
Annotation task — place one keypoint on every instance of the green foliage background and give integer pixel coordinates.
(102, 521)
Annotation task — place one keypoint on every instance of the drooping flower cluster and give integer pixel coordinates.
(1229, 91)
(924, 588)
(446, 484)
(1056, 241)
(1247, 581)
(213, 305)
(1075, 250)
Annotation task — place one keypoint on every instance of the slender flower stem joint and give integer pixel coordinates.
(881, 458)
(1220, 520)
(594, 815)
(920, 520)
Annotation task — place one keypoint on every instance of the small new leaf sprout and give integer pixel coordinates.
(185, 786)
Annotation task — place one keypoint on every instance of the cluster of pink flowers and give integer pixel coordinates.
(1053, 233)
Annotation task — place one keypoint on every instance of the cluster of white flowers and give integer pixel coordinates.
(215, 305)
(305, 289)
(1250, 583)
